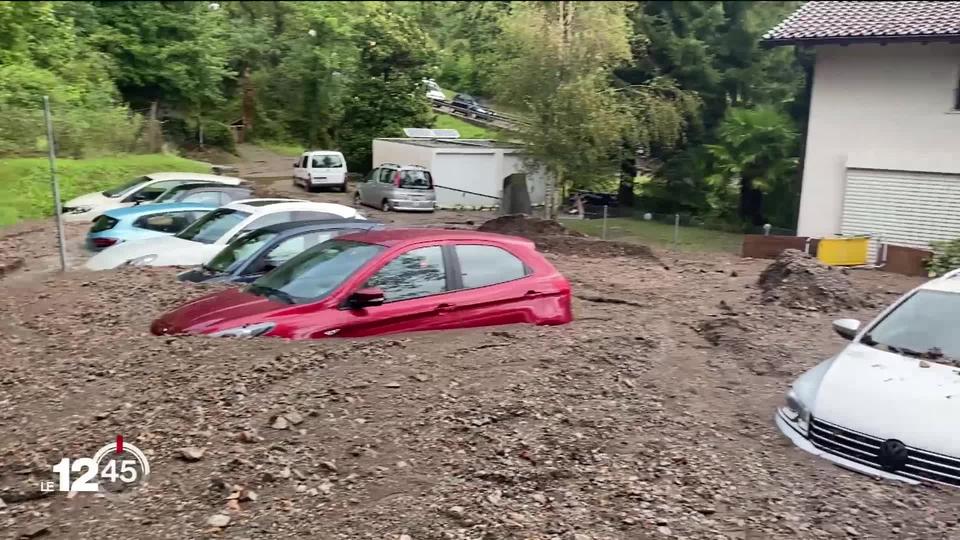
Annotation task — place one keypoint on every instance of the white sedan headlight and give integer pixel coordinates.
(250, 330)
(796, 411)
(142, 261)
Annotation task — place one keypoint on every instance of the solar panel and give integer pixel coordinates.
(446, 133)
(418, 133)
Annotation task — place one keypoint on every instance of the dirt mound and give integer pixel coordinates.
(591, 247)
(527, 227)
(555, 238)
(797, 280)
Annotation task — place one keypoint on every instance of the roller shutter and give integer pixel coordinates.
(901, 207)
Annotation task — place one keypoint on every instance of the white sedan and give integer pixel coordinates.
(888, 404)
(202, 240)
(141, 189)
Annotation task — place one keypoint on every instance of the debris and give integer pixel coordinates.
(495, 496)
(218, 520)
(192, 453)
(797, 280)
(279, 422)
(249, 436)
(35, 531)
(329, 465)
(924, 364)
(392, 385)
(293, 417)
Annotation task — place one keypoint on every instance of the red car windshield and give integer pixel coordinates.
(315, 273)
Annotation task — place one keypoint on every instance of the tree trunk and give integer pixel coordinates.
(628, 174)
(248, 105)
(154, 135)
(751, 202)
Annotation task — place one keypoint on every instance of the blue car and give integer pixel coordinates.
(143, 221)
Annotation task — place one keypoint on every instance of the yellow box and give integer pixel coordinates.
(843, 250)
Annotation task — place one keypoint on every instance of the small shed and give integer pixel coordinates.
(467, 173)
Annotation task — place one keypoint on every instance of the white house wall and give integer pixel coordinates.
(461, 179)
(877, 107)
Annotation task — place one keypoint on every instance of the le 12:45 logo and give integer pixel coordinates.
(115, 466)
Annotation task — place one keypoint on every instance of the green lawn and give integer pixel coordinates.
(284, 149)
(467, 131)
(25, 182)
(659, 234)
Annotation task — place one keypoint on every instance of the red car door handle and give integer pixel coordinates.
(532, 293)
(445, 308)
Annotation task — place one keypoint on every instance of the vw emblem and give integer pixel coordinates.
(893, 454)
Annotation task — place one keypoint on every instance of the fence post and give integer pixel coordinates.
(676, 232)
(53, 183)
(603, 235)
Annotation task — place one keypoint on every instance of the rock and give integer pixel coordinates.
(35, 531)
(392, 385)
(329, 465)
(421, 377)
(580, 536)
(285, 472)
(280, 423)
(405, 537)
(325, 488)
(495, 496)
(218, 520)
(313, 492)
(851, 531)
(301, 488)
(248, 495)
(293, 417)
(3, 504)
(664, 530)
(540, 498)
(249, 437)
(456, 511)
(192, 453)
(924, 364)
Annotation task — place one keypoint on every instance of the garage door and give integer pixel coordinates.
(901, 207)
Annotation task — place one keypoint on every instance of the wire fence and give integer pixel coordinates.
(677, 231)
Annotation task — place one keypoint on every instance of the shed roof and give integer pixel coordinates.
(868, 22)
(457, 143)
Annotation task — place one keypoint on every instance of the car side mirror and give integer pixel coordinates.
(367, 297)
(846, 328)
(296, 163)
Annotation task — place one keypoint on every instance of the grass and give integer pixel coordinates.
(659, 234)
(284, 149)
(467, 130)
(25, 182)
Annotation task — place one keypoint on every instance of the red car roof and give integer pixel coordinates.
(393, 237)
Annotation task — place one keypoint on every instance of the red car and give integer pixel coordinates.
(381, 282)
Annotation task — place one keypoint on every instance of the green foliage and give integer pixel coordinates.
(25, 182)
(283, 148)
(756, 147)
(386, 94)
(946, 257)
(466, 130)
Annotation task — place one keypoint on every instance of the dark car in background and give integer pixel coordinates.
(469, 106)
(260, 251)
(205, 192)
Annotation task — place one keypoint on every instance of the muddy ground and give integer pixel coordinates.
(648, 417)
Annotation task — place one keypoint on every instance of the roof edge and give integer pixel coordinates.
(881, 40)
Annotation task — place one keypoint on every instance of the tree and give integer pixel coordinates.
(754, 155)
(386, 91)
(558, 58)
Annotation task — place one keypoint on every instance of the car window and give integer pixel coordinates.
(210, 197)
(213, 225)
(927, 321)
(152, 191)
(327, 161)
(103, 223)
(415, 179)
(291, 247)
(239, 250)
(315, 273)
(303, 161)
(416, 273)
(171, 222)
(372, 176)
(386, 175)
(487, 265)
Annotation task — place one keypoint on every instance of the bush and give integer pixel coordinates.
(946, 257)
(78, 132)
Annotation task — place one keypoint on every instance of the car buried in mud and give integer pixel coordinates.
(387, 281)
(887, 405)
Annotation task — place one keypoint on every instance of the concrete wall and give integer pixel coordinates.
(877, 107)
(401, 154)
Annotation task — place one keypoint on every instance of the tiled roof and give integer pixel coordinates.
(819, 22)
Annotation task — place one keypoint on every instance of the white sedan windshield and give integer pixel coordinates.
(925, 324)
(213, 225)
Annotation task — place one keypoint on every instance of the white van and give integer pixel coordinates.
(320, 168)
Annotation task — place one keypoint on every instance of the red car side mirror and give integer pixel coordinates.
(370, 296)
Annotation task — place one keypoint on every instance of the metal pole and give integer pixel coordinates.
(55, 185)
(676, 231)
(604, 233)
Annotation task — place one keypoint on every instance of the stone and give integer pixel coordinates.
(218, 520)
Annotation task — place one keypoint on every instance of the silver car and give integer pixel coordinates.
(397, 187)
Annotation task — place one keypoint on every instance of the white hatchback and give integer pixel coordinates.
(888, 404)
(203, 239)
(321, 168)
(139, 190)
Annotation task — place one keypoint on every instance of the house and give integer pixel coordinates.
(883, 141)
(467, 173)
